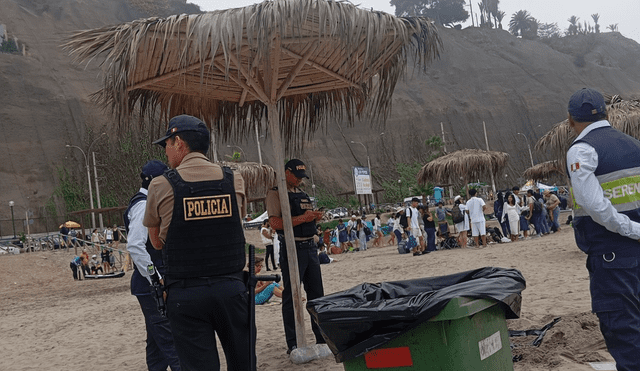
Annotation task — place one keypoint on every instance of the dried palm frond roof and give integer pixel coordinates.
(466, 163)
(258, 178)
(318, 59)
(624, 115)
(543, 170)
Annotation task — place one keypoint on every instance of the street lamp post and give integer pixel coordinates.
(86, 161)
(400, 184)
(529, 147)
(243, 154)
(13, 222)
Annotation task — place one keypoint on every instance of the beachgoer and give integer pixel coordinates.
(266, 234)
(391, 222)
(521, 202)
(304, 219)
(414, 225)
(194, 214)
(511, 212)
(463, 226)
(95, 265)
(75, 264)
(475, 208)
(377, 231)
(265, 290)
(552, 203)
(443, 225)
(601, 162)
(429, 228)
(108, 235)
(105, 256)
(361, 235)
(116, 236)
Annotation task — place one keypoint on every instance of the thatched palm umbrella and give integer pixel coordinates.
(258, 178)
(624, 115)
(301, 61)
(543, 170)
(468, 164)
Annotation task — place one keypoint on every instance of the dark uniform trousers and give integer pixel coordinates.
(161, 352)
(311, 277)
(615, 293)
(196, 307)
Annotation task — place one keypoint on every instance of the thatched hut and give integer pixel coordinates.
(258, 178)
(624, 115)
(463, 166)
(544, 170)
(316, 59)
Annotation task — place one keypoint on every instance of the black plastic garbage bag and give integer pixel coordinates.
(366, 317)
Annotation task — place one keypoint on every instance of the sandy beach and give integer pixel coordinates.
(51, 322)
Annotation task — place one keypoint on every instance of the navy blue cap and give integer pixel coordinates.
(297, 167)
(153, 169)
(587, 105)
(183, 123)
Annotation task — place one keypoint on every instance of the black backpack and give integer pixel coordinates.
(457, 215)
(537, 207)
(367, 231)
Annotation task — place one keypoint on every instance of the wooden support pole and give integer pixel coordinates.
(292, 254)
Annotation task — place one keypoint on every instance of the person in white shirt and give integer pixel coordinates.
(391, 224)
(266, 234)
(377, 231)
(475, 208)
(413, 219)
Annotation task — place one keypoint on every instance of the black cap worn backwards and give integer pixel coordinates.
(183, 123)
(297, 167)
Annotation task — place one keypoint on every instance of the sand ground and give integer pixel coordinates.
(51, 322)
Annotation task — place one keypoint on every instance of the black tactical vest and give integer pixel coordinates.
(300, 203)
(205, 237)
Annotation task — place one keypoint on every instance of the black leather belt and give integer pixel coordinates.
(306, 244)
(202, 281)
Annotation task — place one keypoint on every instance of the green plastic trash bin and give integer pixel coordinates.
(467, 335)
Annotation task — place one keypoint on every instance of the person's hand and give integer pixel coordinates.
(317, 215)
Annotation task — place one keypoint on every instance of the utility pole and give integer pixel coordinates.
(493, 183)
(95, 174)
(444, 147)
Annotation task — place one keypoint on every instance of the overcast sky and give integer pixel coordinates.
(623, 12)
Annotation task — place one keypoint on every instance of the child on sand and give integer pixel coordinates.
(265, 289)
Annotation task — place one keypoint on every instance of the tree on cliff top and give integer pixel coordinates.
(445, 12)
(523, 24)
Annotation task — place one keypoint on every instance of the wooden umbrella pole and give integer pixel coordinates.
(292, 254)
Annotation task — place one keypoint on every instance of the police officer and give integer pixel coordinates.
(161, 352)
(304, 228)
(194, 215)
(604, 166)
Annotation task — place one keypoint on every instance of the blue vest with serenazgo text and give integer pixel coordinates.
(618, 173)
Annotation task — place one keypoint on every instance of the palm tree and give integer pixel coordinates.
(573, 28)
(613, 27)
(499, 17)
(521, 21)
(596, 18)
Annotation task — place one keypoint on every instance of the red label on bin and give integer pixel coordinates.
(390, 357)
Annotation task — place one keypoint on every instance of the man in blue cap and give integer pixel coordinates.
(604, 166)
(161, 351)
(304, 219)
(194, 214)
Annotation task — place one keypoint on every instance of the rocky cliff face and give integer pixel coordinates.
(513, 85)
